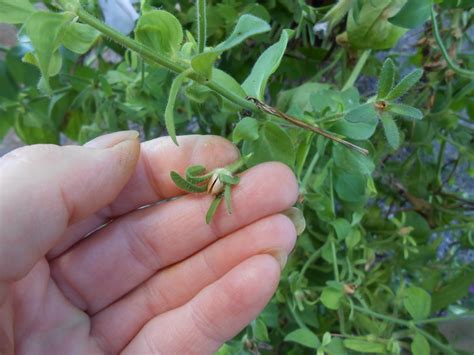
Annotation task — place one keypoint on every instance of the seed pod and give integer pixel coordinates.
(215, 185)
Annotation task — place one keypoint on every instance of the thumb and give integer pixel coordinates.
(46, 188)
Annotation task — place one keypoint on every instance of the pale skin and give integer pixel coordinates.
(156, 280)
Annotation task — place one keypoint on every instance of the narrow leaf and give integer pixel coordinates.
(405, 111)
(247, 25)
(229, 179)
(387, 79)
(227, 197)
(213, 208)
(196, 174)
(405, 84)
(364, 346)
(391, 130)
(169, 119)
(186, 185)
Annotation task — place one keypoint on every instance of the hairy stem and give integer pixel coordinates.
(201, 18)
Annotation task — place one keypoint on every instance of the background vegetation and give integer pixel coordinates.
(385, 264)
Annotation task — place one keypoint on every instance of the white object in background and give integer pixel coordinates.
(119, 14)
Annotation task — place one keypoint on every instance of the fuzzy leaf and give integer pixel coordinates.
(391, 130)
(405, 84)
(387, 79)
(405, 111)
(227, 197)
(213, 208)
(229, 179)
(196, 174)
(186, 185)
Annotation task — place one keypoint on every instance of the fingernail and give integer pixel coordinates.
(297, 217)
(112, 139)
(280, 256)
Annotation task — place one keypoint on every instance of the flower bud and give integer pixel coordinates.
(215, 185)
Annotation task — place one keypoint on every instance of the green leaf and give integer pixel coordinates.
(420, 345)
(417, 302)
(362, 114)
(213, 208)
(351, 161)
(350, 187)
(78, 37)
(372, 29)
(246, 129)
(169, 117)
(364, 346)
(229, 179)
(391, 130)
(273, 144)
(186, 185)
(160, 31)
(246, 27)
(305, 337)
(353, 239)
(228, 198)
(15, 11)
(335, 347)
(413, 14)
(453, 290)
(387, 79)
(331, 297)
(46, 46)
(405, 84)
(342, 228)
(196, 174)
(265, 66)
(405, 110)
(260, 330)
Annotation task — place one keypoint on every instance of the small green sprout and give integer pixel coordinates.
(217, 183)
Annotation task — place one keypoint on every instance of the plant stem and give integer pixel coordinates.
(460, 71)
(444, 348)
(439, 165)
(201, 18)
(334, 260)
(158, 59)
(309, 171)
(308, 263)
(357, 69)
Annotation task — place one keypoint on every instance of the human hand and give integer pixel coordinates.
(154, 280)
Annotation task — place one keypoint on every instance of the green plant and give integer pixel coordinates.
(384, 260)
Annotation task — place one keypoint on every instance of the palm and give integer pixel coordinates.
(156, 279)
